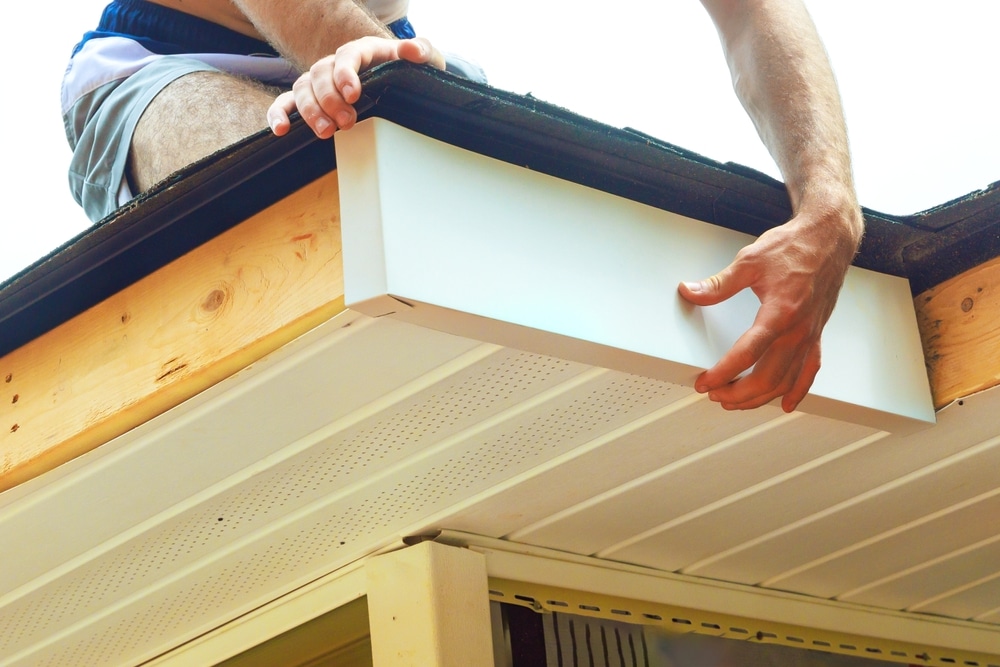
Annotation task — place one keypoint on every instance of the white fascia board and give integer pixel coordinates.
(456, 241)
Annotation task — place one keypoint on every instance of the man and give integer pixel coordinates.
(162, 83)
(187, 109)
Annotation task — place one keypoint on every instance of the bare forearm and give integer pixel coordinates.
(783, 78)
(307, 30)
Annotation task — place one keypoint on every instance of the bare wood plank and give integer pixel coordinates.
(958, 327)
(173, 334)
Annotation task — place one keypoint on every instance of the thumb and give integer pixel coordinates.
(711, 291)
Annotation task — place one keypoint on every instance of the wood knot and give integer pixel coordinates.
(126, 317)
(967, 304)
(10, 376)
(214, 300)
(14, 428)
(17, 397)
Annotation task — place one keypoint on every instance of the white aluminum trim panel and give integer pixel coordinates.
(484, 249)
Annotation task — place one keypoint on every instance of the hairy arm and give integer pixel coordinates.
(783, 78)
(305, 31)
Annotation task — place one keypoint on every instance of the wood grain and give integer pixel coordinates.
(959, 324)
(173, 334)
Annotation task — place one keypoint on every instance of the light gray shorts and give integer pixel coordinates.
(108, 84)
(111, 81)
(99, 127)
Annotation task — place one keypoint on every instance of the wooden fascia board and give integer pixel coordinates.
(176, 332)
(185, 210)
(961, 339)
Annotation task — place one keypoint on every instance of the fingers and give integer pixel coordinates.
(316, 100)
(367, 52)
(420, 51)
(796, 271)
(784, 366)
(770, 324)
(324, 96)
(277, 114)
(807, 375)
(760, 387)
(777, 346)
(320, 102)
(745, 352)
(774, 375)
(781, 347)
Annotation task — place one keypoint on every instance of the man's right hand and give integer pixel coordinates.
(325, 94)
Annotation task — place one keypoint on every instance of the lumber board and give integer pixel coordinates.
(958, 328)
(173, 334)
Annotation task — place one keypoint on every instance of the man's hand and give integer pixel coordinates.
(325, 94)
(796, 270)
(783, 78)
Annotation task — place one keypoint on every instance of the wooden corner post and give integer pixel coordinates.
(428, 606)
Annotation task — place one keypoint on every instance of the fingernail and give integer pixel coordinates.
(693, 287)
(322, 125)
(713, 397)
(701, 388)
(273, 123)
(343, 118)
(348, 91)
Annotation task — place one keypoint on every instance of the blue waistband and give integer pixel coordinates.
(168, 31)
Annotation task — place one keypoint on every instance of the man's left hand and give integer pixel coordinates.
(796, 270)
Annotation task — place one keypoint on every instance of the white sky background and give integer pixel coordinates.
(918, 79)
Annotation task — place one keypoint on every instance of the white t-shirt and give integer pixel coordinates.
(388, 11)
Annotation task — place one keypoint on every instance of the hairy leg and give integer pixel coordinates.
(194, 116)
